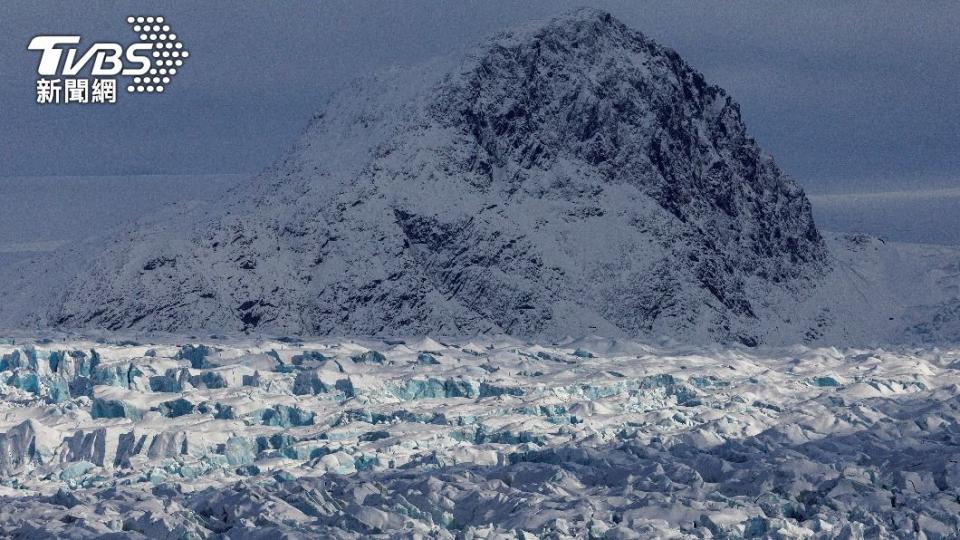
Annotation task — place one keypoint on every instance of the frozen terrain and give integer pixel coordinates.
(758, 378)
(493, 438)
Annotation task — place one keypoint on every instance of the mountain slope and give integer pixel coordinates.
(571, 177)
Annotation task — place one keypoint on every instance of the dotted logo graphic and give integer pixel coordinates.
(168, 53)
(68, 75)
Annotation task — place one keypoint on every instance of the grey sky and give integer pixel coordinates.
(856, 96)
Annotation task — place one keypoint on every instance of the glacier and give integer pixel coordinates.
(485, 438)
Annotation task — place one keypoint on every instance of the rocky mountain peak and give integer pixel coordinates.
(584, 88)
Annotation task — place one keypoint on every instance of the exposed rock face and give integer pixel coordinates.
(568, 178)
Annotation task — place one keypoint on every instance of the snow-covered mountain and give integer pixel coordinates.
(566, 178)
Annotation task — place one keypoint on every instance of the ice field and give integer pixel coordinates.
(491, 438)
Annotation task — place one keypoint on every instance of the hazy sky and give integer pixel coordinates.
(857, 96)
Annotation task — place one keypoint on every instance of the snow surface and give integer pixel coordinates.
(489, 438)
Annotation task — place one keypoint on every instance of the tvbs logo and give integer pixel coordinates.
(149, 63)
